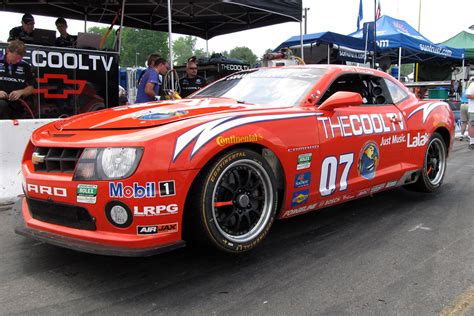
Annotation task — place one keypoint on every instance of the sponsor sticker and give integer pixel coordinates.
(304, 161)
(157, 229)
(362, 124)
(299, 210)
(160, 115)
(299, 197)
(418, 140)
(329, 202)
(168, 228)
(303, 148)
(368, 160)
(391, 184)
(167, 188)
(392, 140)
(347, 197)
(136, 191)
(147, 230)
(155, 210)
(363, 192)
(302, 180)
(43, 189)
(87, 193)
(230, 140)
(377, 188)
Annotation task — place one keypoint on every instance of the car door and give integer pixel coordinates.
(359, 145)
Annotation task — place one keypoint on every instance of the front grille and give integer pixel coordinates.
(56, 159)
(61, 214)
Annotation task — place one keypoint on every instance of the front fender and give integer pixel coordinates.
(194, 151)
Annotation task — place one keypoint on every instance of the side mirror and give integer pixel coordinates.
(341, 99)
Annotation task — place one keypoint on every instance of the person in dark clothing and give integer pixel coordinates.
(16, 81)
(24, 32)
(64, 39)
(191, 82)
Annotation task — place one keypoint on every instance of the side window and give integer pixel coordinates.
(378, 93)
(347, 82)
(374, 90)
(397, 93)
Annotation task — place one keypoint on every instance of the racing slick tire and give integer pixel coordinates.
(434, 166)
(237, 201)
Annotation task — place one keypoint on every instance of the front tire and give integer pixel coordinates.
(237, 201)
(434, 166)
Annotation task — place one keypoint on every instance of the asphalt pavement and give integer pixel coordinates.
(395, 253)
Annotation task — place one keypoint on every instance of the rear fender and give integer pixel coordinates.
(423, 120)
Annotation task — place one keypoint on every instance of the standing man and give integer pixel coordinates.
(149, 85)
(191, 82)
(64, 39)
(16, 80)
(470, 98)
(24, 32)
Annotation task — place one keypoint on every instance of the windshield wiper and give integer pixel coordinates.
(243, 102)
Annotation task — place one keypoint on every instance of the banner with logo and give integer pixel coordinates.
(71, 81)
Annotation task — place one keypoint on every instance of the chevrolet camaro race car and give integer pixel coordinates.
(221, 166)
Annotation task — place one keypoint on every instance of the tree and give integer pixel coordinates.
(136, 45)
(406, 69)
(183, 48)
(243, 53)
(109, 43)
(199, 52)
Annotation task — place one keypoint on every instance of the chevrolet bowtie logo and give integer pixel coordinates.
(37, 158)
(80, 84)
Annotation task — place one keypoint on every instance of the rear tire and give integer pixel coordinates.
(434, 166)
(236, 201)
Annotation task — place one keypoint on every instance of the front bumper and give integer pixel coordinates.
(90, 247)
(95, 241)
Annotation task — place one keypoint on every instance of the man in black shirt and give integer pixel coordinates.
(24, 32)
(191, 82)
(16, 81)
(64, 39)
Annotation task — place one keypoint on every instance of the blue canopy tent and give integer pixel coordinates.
(348, 48)
(399, 41)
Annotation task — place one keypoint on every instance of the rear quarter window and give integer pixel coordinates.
(397, 93)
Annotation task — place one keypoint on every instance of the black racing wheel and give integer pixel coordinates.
(434, 166)
(236, 201)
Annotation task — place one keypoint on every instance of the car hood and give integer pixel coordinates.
(153, 114)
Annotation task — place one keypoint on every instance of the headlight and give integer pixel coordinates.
(107, 163)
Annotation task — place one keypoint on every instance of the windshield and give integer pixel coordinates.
(266, 86)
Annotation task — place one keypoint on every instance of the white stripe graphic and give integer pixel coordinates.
(210, 130)
(427, 109)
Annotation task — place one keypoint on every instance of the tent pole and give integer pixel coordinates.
(207, 48)
(329, 54)
(399, 62)
(366, 42)
(85, 22)
(375, 34)
(301, 40)
(170, 42)
(415, 75)
(122, 13)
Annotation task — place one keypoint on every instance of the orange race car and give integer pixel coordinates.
(221, 166)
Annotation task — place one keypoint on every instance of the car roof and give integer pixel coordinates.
(338, 68)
